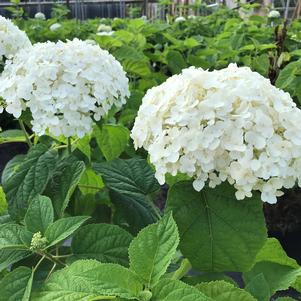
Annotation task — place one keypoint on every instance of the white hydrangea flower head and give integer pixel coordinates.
(180, 19)
(105, 33)
(274, 14)
(191, 17)
(55, 27)
(104, 28)
(40, 16)
(12, 39)
(65, 86)
(227, 125)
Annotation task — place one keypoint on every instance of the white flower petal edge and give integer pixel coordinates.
(12, 39)
(65, 86)
(230, 124)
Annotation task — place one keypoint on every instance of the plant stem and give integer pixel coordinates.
(50, 272)
(52, 258)
(62, 256)
(69, 145)
(184, 268)
(25, 133)
(39, 262)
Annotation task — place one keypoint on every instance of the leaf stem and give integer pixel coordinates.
(50, 272)
(62, 256)
(184, 268)
(22, 126)
(39, 262)
(52, 258)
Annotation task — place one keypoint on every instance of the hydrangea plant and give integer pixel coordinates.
(85, 221)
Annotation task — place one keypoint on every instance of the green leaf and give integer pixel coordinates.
(83, 145)
(16, 285)
(130, 183)
(26, 177)
(287, 75)
(191, 43)
(90, 182)
(259, 288)
(88, 279)
(153, 249)
(272, 255)
(103, 242)
(261, 64)
(207, 277)
(8, 257)
(63, 228)
(218, 233)
(39, 214)
(285, 299)
(272, 251)
(3, 203)
(12, 136)
(175, 290)
(136, 68)
(222, 290)
(10, 237)
(175, 61)
(112, 139)
(130, 177)
(278, 277)
(63, 183)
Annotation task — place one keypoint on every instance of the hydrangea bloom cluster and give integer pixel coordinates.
(12, 39)
(273, 14)
(65, 86)
(230, 124)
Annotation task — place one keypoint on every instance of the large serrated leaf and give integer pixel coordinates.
(130, 177)
(175, 290)
(87, 279)
(62, 228)
(222, 290)
(39, 214)
(153, 249)
(130, 182)
(66, 176)
(16, 286)
(104, 242)
(218, 233)
(27, 176)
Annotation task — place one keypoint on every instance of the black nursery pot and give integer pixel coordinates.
(10, 150)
